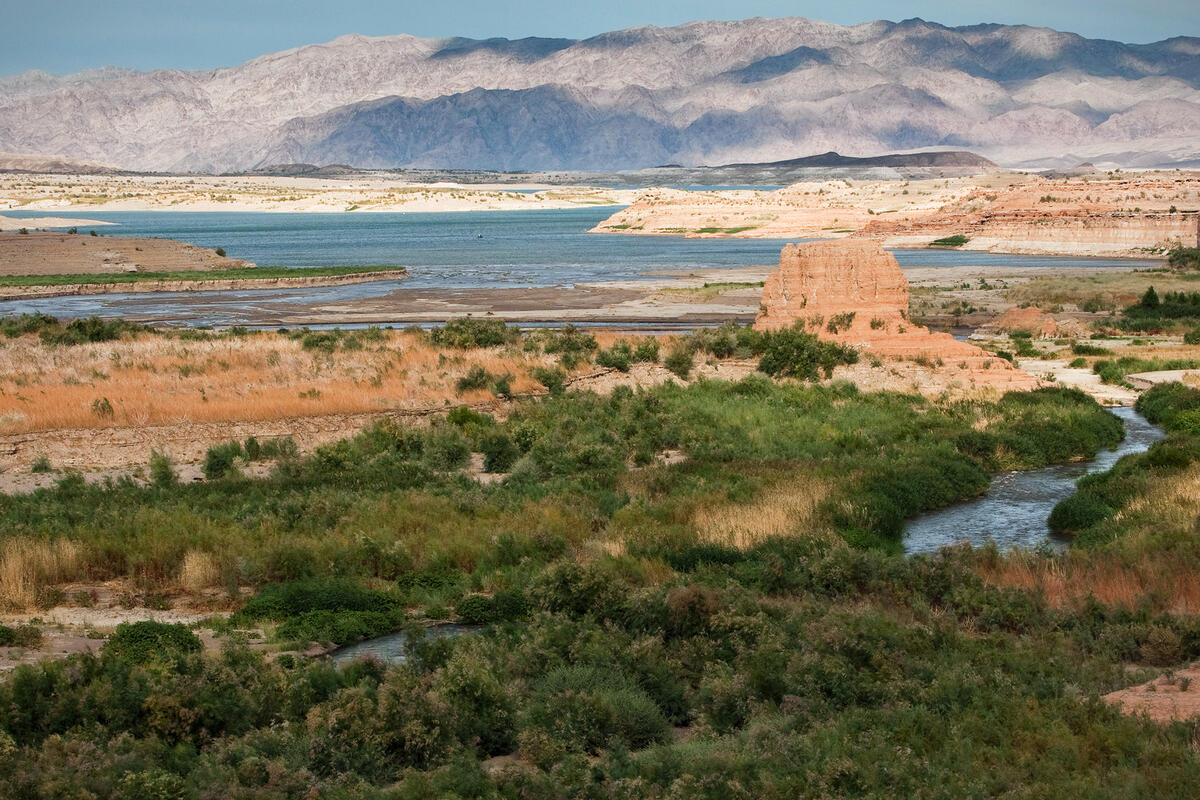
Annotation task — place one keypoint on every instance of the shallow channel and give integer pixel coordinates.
(1014, 511)
(391, 648)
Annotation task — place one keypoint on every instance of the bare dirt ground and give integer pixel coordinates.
(42, 253)
(1174, 697)
(363, 194)
(87, 614)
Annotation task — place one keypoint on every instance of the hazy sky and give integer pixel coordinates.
(64, 36)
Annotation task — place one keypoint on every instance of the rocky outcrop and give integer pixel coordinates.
(819, 281)
(853, 292)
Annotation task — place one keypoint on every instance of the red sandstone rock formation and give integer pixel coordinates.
(854, 292)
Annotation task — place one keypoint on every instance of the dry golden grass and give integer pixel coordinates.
(27, 565)
(159, 380)
(199, 571)
(783, 509)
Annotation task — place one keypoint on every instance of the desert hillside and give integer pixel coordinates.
(701, 93)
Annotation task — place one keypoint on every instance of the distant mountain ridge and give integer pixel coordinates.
(942, 158)
(753, 91)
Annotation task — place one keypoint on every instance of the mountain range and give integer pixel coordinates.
(758, 90)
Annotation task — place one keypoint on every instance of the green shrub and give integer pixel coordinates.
(679, 361)
(1184, 258)
(553, 378)
(146, 641)
(162, 471)
(87, 330)
(338, 627)
(475, 609)
(41, 464)
(1192, 336)
(1084, 349)
(476, 378)
(219, 459)
(446, 449)
(957, 240)
(468, 333)
(840, 322)
(619, 356)
(22, 324)
(791, 352)
(586, 707)
(569, 343)
(284, 600)
(1078, 512)
(20, 636)
(646, 350)
(500, 452)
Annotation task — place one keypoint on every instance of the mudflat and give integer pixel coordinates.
(41, 253)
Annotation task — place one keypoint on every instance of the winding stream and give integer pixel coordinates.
(1013, 513)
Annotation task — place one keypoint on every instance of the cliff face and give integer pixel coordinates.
(853, 292)
(758, 90)
(817, 281)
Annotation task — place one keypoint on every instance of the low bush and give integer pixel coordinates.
(146, 641)
(619, 356)
(476, 378)
(793, 353)
(679, 361)
(585, 708)
(1078, 512)
(1184, 258)
(956, 240)
(553, 378)
(500, 452)
(468, 333)
(1085, 349)
(220, 459)
(285, 600)
(20, 636)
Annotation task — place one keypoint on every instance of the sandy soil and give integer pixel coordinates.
(1169, 698)
(35, 223)
(41, 253)
(208, 193)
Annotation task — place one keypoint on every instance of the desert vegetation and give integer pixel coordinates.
(684, 589)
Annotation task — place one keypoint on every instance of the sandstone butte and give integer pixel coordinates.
(853, 292)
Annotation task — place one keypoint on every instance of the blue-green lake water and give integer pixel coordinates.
(465, 250)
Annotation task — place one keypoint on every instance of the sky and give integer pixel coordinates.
(64, 36)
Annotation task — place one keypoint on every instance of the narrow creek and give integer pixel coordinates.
(1013, 513)
(391, 648)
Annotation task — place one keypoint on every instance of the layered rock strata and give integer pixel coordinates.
(853, 292)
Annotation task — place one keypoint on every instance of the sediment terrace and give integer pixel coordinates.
(1100, 214)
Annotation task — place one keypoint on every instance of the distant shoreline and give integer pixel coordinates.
(205, 284)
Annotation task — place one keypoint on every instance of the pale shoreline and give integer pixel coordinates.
(91, 193)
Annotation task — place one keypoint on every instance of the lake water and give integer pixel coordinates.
(479, 249)
(1014, 511)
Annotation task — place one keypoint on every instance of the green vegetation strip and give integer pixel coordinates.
(751, 596)
(1092, 512)
(250, 273)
